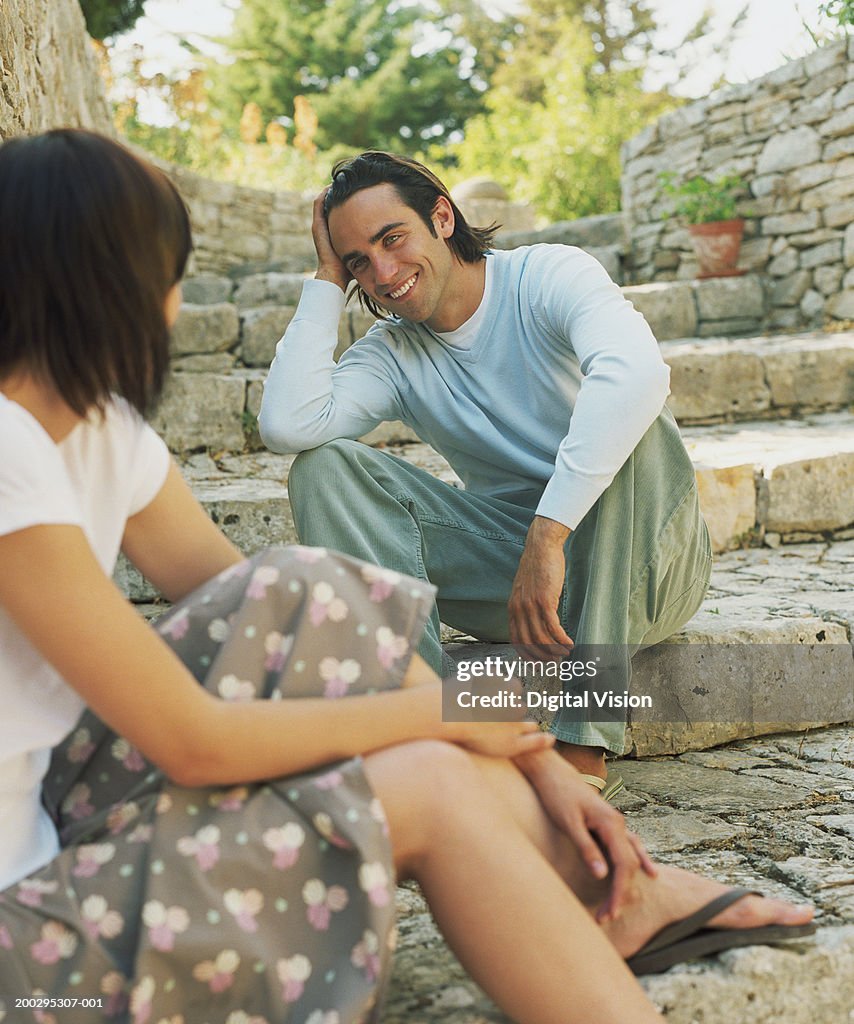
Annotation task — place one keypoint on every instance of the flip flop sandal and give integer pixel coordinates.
(688, 939)
(609, 787)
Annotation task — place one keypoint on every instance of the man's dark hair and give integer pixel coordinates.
(91, 240)
(419, 188)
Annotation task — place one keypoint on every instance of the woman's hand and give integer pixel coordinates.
(598, 830)
(500, 739)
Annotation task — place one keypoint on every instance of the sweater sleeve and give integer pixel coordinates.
(624, 382)
(307, 399)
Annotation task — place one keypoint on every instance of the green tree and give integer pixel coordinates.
(558, 143)
(106, 18)
(569, 90)
(377, 73)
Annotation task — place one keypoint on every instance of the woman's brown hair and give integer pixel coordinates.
(92, 238)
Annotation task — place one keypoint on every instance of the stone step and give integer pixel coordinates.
(784, 480)
(773, 482)
(774, 815)
(211, 403)
(241, 320)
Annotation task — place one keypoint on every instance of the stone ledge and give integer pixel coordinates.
(788, 850)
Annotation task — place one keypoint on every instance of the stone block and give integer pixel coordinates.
(827, 279)
(840, 124)
(668, 308)
(781, 319)
(828, 252)
(830, 78)
(767, 184)
(848, 250)
(786, 150)
(206, 289)
(260, 332)
(803, 178)
(833, 191)
(839, 215)
(838, 149)
(783, 264)
(252, 513)
(723, 298)
(813, 110)
(789, 290)
(791, 223)
(813, 238)
(841, 306)
(611, 261)
(812, 305)
(711, 380)
(728, 502)
(769, 118)
(212, 328)
(201, 411)
(813, 495)
(817, 374)
(723, 131)
(270, 289)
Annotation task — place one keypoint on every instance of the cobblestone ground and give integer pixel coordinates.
(774, 814)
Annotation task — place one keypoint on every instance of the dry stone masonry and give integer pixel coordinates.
(790, 134)
(48, 71)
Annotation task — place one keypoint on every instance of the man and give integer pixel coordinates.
(544, 389)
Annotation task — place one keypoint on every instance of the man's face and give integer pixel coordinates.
(391, 253)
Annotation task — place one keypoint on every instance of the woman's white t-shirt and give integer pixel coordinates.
(102, 473)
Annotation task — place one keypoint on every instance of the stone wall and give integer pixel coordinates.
(248, 228)
(239, 230)
(790, 134)
(48, 70)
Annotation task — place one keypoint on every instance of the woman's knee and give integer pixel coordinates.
(424, 787)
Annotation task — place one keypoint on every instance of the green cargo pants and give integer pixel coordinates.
(638, 565)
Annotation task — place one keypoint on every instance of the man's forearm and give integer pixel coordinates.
(298, 388)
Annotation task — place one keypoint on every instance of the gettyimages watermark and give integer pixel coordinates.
(792, 685)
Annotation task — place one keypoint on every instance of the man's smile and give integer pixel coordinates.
(398, 293)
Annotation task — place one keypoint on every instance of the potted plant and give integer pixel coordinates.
(709, 208)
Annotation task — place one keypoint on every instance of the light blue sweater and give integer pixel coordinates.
(560, 384)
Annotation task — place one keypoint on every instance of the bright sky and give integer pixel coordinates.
(773, 32)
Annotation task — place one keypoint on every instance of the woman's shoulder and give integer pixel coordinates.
(34, 484)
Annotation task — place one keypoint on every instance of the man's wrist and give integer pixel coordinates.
(331, 275)
(547, 532)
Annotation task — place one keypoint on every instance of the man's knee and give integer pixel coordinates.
(318, 472)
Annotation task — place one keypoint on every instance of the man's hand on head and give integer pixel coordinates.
(329, 267)
(535, 629)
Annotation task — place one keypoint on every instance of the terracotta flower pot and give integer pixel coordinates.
(717, 246)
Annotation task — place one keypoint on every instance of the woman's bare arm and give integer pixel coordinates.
(55, 591)
(174, 543)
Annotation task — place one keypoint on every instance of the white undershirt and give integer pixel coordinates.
(466, 334)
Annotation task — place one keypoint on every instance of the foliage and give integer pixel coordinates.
(701, 200)
(553, 126)
(106, 18)
(841, 11)
(378, 74)
(259, 155)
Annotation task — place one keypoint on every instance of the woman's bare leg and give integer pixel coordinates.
(497, 874)
(509, 916)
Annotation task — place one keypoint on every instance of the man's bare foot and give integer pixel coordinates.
(588, 760)
(675, 894)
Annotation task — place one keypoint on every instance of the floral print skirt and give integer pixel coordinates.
(252, 904)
